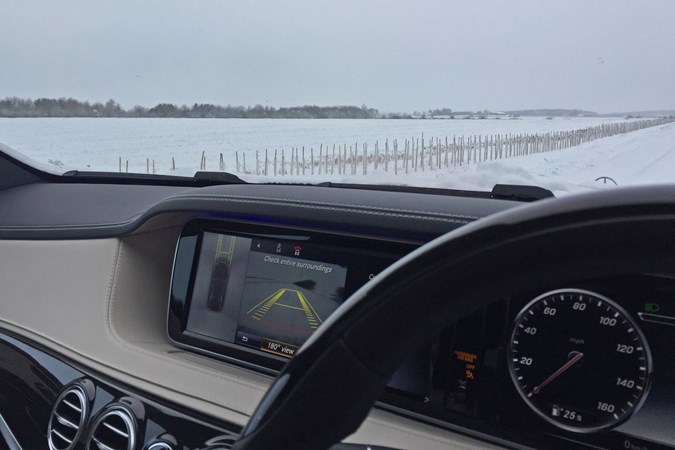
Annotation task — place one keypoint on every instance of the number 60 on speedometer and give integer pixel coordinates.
(579, 360)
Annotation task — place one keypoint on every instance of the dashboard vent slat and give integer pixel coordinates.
(62, 437)
(67, 420)
(101, 445)
(75, 407)
(115, 429)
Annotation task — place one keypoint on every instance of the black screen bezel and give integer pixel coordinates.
(187, 255)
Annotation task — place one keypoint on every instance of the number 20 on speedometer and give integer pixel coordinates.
(579, 360)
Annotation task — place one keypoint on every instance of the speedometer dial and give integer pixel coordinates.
(579, 360)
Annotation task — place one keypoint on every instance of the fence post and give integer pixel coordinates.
(384, 155)
(405, 157)
(431, 153)
(376, 156)
(365, 158)
(332, 162)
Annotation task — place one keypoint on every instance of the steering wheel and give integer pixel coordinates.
(328, 388)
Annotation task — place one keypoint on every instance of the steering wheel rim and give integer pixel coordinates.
(328, 388)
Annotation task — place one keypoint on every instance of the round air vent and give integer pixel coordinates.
(67, 420)
(114, 430)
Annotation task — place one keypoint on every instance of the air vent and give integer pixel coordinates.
(114, 430)
(67, 419)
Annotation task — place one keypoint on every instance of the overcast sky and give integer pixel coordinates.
(394, 55)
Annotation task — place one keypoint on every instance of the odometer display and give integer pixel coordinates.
(579, 360)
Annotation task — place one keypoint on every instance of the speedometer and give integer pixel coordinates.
(579, 360)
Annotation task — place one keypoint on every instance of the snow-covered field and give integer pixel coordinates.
(645, 156)
(97, 144)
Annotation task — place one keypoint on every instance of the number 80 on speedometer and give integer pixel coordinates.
(579, 360)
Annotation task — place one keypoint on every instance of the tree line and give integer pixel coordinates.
(70, 107)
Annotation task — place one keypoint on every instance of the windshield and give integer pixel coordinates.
(570, 96)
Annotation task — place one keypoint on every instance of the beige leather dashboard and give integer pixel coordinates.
(102, 303)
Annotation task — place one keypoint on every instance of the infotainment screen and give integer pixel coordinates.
(264, 294)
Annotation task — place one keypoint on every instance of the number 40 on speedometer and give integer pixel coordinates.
(579, 360)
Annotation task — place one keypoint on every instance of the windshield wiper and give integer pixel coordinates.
(213, 178)
(520, 193)
(500, 191)
(200, 179)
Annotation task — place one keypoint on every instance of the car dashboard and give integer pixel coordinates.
(155, 317)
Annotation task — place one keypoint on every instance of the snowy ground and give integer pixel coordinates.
(646, 156)
(97, 144)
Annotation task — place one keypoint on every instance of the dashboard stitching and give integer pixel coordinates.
(311, 202)
(113, 277)
(110, 330)
(329, 208)
(411, 214)
(70, 227)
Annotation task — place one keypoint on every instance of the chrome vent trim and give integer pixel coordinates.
(67, 420)
(160, 446)
(113, 430)
(223, 442)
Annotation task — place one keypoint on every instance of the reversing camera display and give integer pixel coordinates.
(286, 299)
(263, 294)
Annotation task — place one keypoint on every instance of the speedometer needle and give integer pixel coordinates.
(577, 356)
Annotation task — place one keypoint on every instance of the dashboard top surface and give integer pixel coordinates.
(77, 210)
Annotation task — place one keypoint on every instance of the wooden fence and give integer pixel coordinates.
(411, 155)
(418, 154)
